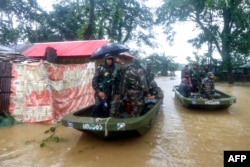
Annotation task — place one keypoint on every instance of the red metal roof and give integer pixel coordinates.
(67, 48)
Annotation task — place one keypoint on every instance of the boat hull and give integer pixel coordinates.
(201, 103)
(108, 127)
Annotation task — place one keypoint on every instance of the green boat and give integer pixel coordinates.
(196, 101)
(111, 126)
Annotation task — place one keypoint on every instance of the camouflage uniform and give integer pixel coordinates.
(115, 109)
(154, 89)
(104, 80)
(134, 87)
(204, 72)
(207, 88)
(119, 72)
(195, 79)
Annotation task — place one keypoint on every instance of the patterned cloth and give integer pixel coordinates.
(43, 92)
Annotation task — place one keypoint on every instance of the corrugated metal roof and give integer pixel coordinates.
(67, 48)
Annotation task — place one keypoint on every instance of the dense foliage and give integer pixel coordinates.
(224, 25)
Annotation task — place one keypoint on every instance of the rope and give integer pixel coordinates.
(106, 123)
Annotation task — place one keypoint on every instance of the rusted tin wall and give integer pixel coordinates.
(69, 60)
(72, 60)
(5, 82)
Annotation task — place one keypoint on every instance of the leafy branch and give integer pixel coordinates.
(51, 138)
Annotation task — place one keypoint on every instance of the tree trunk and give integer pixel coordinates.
(226, 41)
(89, 33)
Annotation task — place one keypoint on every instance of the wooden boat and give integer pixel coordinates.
(196, 101)
(108, 127)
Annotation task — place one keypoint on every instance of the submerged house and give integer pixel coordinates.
(246, 68)
(41, 91)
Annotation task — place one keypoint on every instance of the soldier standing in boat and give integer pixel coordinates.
(120, 67)
(195, 78)
(204, 71)
(185, 73)
(135, 87)
(105, 85)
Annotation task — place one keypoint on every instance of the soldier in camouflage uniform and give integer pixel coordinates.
(120, 67)
(207, 89)
(103, 83)
(204, 71)
(195, 78)
(135, 87)
(154, 90)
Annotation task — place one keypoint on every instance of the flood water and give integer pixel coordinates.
(180, 138)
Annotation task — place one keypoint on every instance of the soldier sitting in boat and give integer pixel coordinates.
(207, 89)
(184, 88)
(154, 90)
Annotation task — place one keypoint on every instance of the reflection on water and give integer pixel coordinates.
(180, 137)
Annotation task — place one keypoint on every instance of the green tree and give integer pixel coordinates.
(224, 25)
(13, 15)
(117, 20)
(161, 63)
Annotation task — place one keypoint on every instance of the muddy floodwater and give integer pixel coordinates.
(180, 138)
